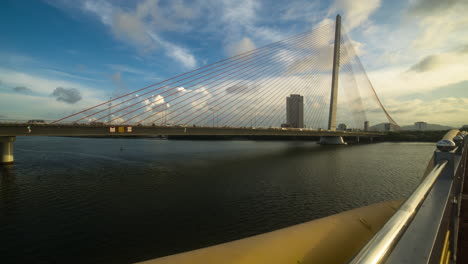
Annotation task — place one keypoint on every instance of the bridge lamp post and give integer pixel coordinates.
(213, 110)
(110, 111)
(253, 121)
(165, 114)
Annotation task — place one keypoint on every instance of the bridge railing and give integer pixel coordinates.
(425, 227)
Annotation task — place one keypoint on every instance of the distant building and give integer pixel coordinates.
(420, 126)
(390, 127)
(295, 110)
(285, 125)
(387, 126)
(342, 127)
(366, 126)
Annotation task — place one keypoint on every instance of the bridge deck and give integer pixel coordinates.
(103, 130)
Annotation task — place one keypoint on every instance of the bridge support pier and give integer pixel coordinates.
(327, 140)
(6, 150)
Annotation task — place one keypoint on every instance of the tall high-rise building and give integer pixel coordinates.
(366, 125)
(295, 110)
(420, 126)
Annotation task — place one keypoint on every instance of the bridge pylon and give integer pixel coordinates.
(6, 150)
(334, 88)
(336, 70)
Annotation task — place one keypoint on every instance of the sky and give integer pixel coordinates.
(58, 57)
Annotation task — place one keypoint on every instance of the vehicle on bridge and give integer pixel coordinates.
(36, 121)
(95, 123)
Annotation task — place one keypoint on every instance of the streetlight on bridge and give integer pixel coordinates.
(213, 111)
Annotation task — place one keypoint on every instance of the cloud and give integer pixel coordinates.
(301, 11)
(67, 95)
(10, 58)
(117, 77)
(319, 55)
(426, 7)
(202, 101)
(125, 68)
(104, 9)
(439, 21)
(239, 20)
(239, 89)
(241, 12)
(131, 28)
(463, 49)
(355, 13)
(67, 75)
(42, 84)
(40, 104)
(144, 75)
(140, 27)
(431, 72)
(241, 46)
(153, 102)
(121, 89)
(444, 111)
(22, 89)
(179, 54)
(426, 64)
(182, 10)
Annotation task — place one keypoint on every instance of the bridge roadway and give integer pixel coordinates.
(11, 130)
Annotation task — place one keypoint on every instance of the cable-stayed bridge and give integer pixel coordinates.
(241, 95)
(301, 86)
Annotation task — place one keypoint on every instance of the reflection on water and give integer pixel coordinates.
(9, 189)
(86, 200)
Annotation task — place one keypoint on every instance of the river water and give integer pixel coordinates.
(89, 200)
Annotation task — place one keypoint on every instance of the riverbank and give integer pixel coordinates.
(413, 136)
(398, 136)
